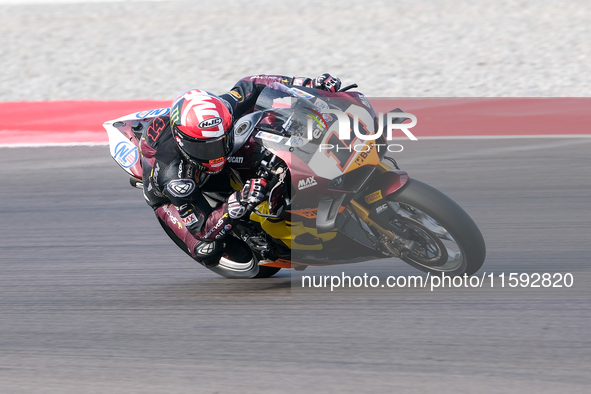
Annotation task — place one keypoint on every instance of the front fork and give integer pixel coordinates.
(373, 209)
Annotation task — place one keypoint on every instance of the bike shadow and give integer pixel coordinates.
(211, 287)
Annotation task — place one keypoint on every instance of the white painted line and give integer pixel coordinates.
(492, 152)
(57, 144)
(463, 137)
(496, 137)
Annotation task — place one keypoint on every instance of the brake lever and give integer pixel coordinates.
(352, 86)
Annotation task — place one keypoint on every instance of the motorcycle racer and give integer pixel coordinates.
(184, 153)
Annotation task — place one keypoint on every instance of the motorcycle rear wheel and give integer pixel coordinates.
(446, 238)
(263, 272)
(239, 262)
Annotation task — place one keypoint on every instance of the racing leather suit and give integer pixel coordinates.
(173, 188)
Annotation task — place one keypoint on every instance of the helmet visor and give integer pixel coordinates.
(205, 150)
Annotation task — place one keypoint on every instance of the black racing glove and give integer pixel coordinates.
(327, 82)
(252, 194)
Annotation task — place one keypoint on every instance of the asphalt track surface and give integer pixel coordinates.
(94, 298)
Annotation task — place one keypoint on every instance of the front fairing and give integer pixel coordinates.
(301, 126)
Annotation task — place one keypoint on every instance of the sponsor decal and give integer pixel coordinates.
(317, 134)
(301, 93)
(236, 159)
(228, 227)
(217, 226)
(306, 183)
(296, 141)
(189, 220)
(153, 112)
(126, 154)
(236, 95)
(155, 172)
(268, 77)
(269, 137)
(181, 187)
(317, 116)
(381, 208)
(210, 123)
(299, 81)
(175, 115)
(215, 163)
(180, 173)
(321, 104)
(173, 218)
(373, 197)
(363, 155)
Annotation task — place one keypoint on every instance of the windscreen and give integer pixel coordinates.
(305, 121)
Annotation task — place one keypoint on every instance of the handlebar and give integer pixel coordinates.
(352, 86)
(249, 209)
(269, 172)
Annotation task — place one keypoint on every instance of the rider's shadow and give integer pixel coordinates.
(214, 288)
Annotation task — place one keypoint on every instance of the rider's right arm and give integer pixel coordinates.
(195, 212)
(172, 180)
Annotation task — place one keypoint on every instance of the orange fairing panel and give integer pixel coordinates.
(311, 213)
(280, 263)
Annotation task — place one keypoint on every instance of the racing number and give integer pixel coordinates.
(156, 128)
(341, 151)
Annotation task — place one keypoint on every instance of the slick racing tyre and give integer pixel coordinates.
(441, 236)
(239, 262)
(235, 270)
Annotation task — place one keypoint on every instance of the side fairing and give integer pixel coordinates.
(124, 136)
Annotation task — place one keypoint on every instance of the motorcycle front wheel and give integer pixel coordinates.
(440, 236)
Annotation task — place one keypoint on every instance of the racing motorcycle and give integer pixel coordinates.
(332, 200)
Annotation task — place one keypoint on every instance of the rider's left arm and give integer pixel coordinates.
(243, 96)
